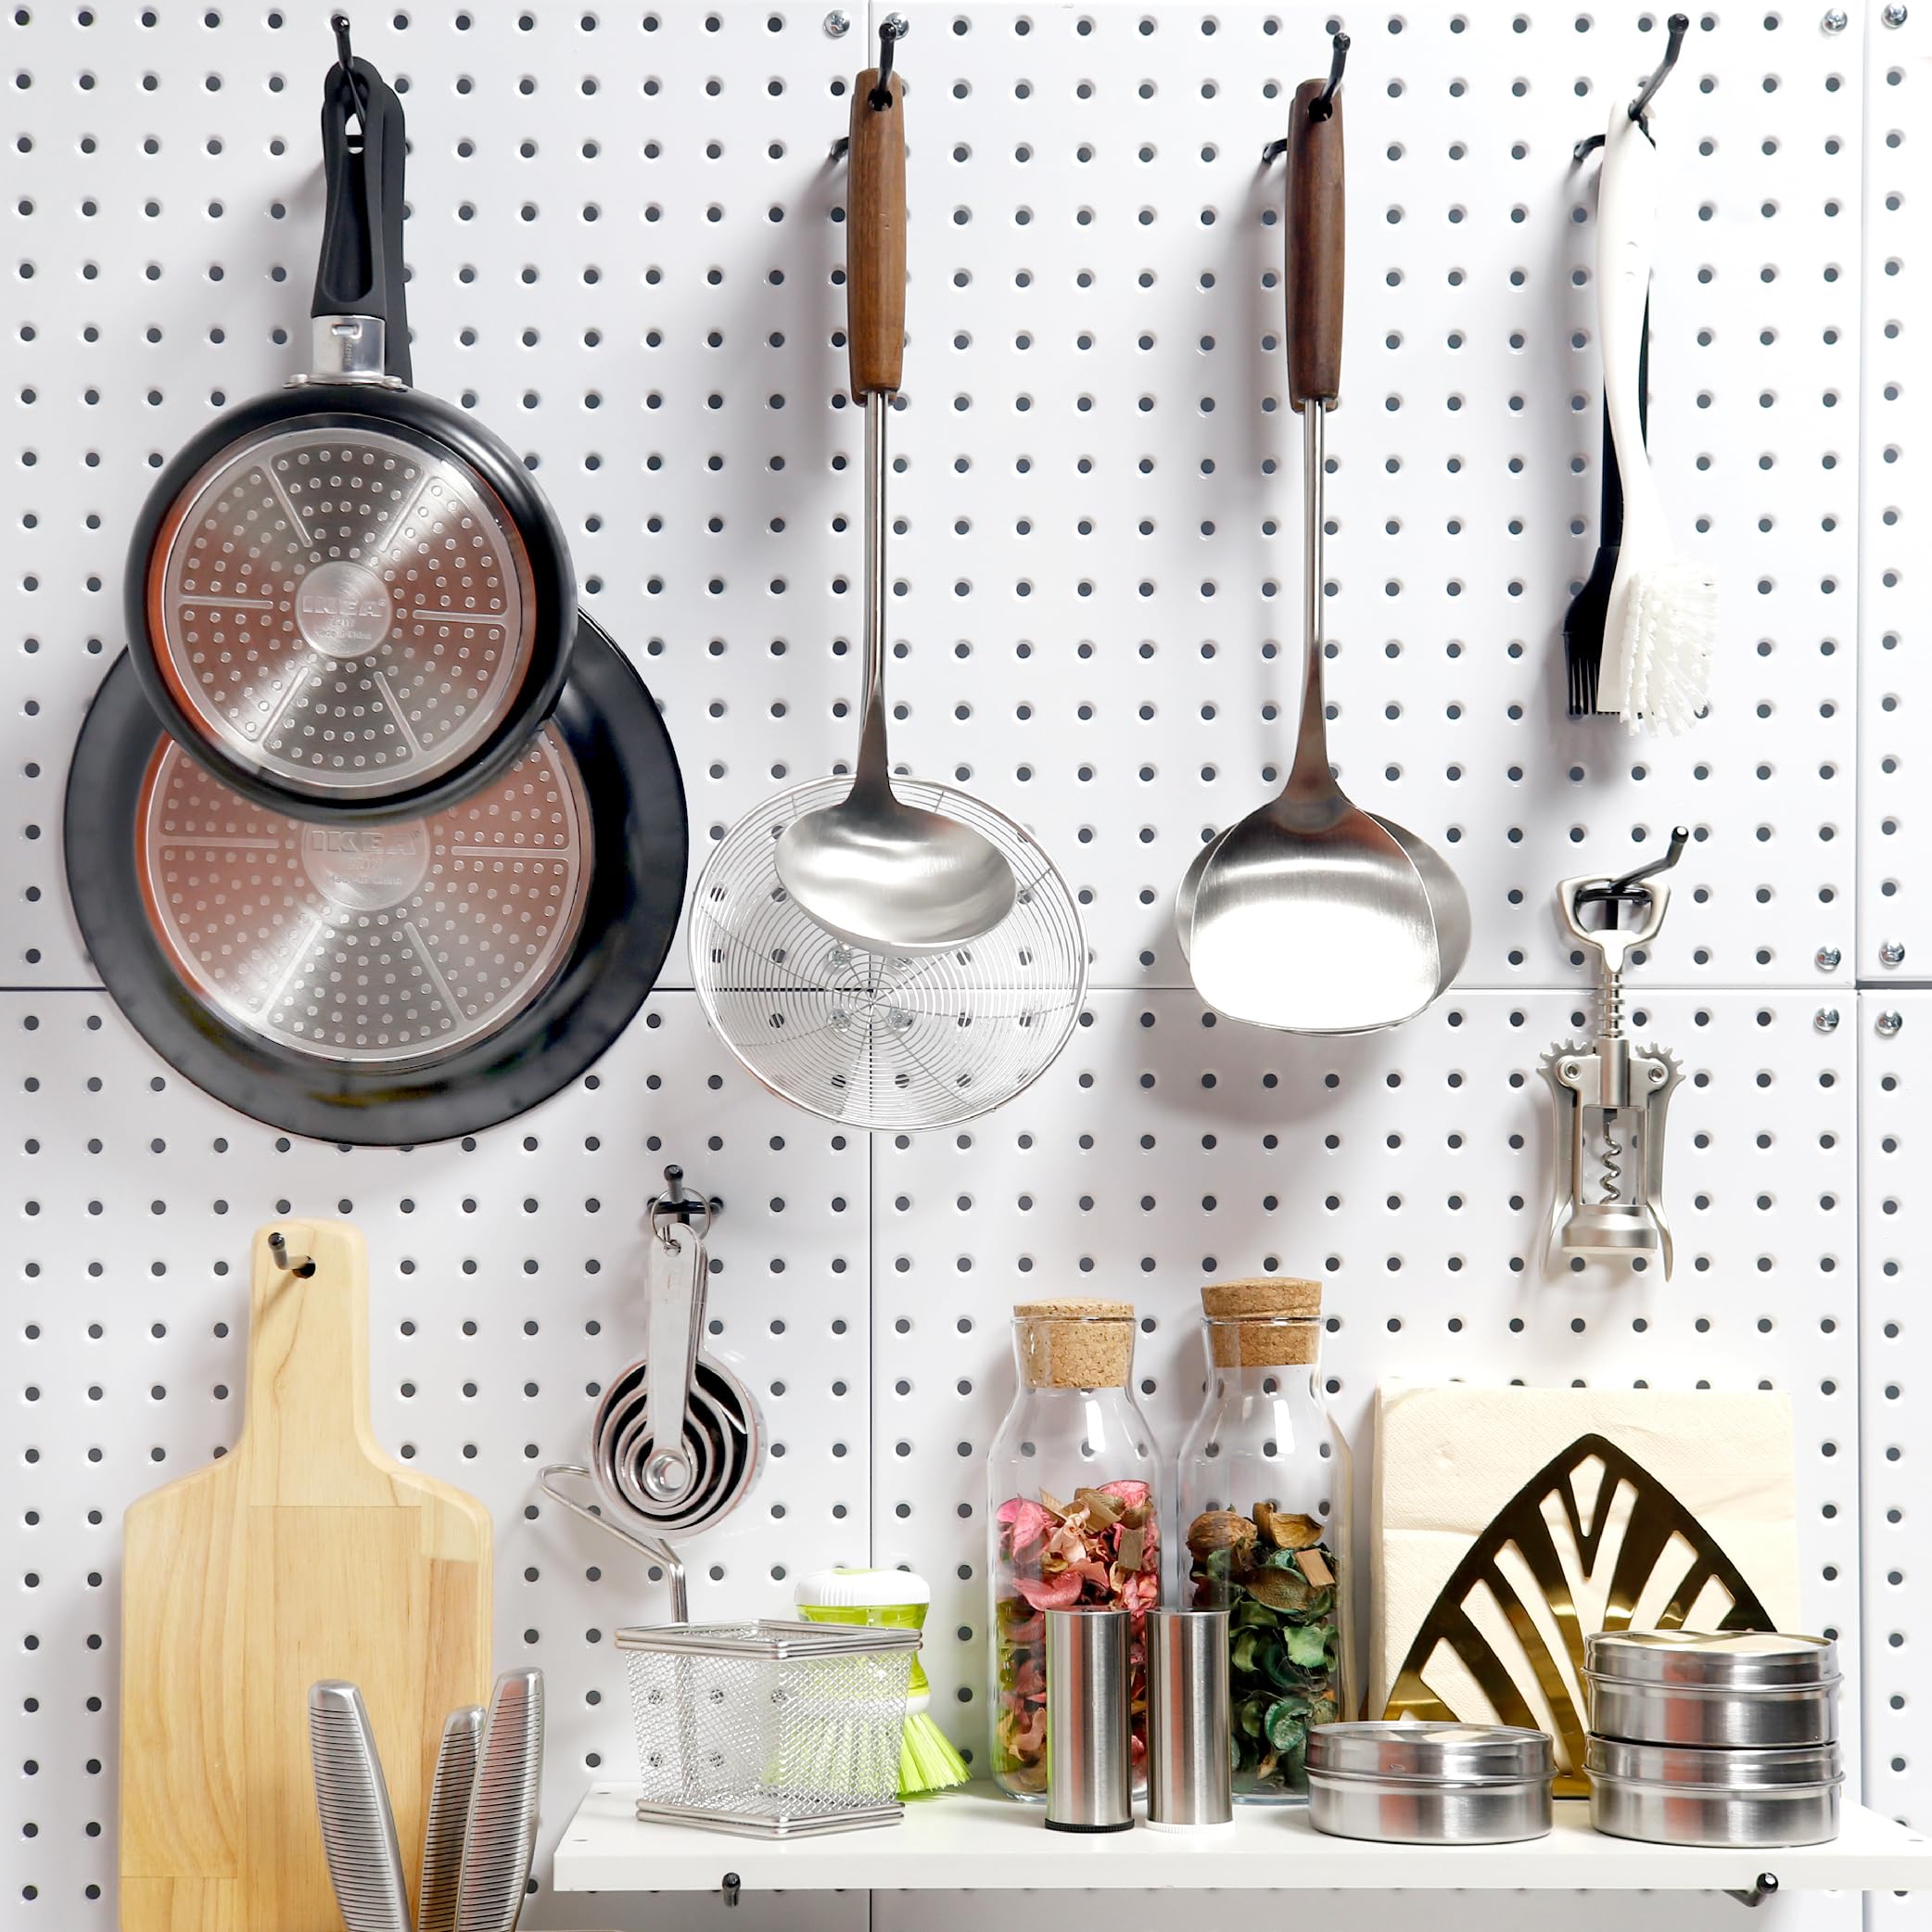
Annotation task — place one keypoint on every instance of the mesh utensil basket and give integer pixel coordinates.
(771, 1728)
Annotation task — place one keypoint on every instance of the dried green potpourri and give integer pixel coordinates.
(1275, 1576)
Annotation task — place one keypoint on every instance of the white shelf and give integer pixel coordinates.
(972, 1840)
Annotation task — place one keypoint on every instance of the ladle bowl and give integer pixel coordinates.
(886, 876)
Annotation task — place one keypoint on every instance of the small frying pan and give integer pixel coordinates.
(348, 600)
(384, 984)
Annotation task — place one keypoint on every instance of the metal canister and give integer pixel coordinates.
(1089, 1750)
(1430, 1784)
(1738, 1689)
(1189, 1775)
(1693, 1795)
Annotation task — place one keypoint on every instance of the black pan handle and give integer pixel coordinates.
(360, 272)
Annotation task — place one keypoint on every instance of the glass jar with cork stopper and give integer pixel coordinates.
(1265, 1491)
(1073, 1495)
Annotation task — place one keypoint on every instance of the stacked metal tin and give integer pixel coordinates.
(1713, 1739)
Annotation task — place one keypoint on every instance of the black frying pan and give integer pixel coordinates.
(348, 600)
(391, 983)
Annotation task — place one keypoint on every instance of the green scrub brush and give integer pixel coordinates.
(891, 1599)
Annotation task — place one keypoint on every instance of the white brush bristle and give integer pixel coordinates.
(1673, 636)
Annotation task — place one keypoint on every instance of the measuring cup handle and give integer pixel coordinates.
(676, 1267)
(1316, 263)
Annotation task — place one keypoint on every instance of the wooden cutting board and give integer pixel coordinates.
(305, 1553)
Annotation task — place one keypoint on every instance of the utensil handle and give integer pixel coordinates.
(358, 271)
(1314, 248)
(875, 238)
(1626, 216)
(446, 1818)
(675, 1269)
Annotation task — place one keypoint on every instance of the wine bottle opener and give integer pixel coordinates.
(1608, 1095)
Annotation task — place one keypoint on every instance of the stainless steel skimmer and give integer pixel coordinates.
(1312, 915)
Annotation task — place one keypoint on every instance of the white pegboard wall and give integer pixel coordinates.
(625, 238)
(1895, 687)
(1895, 1126)
(625, 243)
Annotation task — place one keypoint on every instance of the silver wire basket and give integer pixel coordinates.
(870, 1039)
(770, 1729)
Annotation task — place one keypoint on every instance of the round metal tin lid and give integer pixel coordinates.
(346, 611)
(1712, 1768)
(379, 945)
(1740, 1659)
(1431, 1753)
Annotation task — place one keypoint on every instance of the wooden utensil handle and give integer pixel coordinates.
(875, 238)
(1315, 255)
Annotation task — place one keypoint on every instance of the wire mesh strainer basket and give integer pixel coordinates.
(868, 1038)
(771, 1728)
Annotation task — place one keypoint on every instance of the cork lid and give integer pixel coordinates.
(1267, 1321)
(1074, 1342)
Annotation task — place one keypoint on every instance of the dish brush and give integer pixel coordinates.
(1661, 623)
(892, 1599)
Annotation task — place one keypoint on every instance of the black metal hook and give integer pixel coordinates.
(1323, 105)
(892, 31)
(345, 59)
(1678, 26)
(1615, 894)
(1680, 837)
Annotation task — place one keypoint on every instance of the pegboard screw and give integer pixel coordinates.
(1827, 958)
(1889, 1022)
(1825, 1019)
(1890, 953)
(1836, 20)
(1894, 14)
(837, 25)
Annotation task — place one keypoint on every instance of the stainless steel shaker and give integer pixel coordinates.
(1089, 1750)
(1189, 1776)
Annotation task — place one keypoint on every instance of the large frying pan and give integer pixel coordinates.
(388, 984)
(348, 600)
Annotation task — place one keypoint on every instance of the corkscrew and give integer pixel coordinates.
(1608, 1095)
